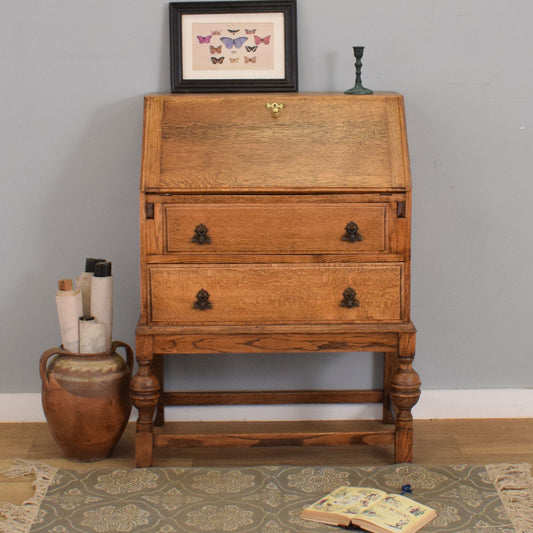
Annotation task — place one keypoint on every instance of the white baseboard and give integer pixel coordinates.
(448, 403)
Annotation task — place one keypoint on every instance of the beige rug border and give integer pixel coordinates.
(512, 482)
(19, 518)
(514, 485)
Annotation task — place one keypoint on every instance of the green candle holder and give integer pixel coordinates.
(358, 87)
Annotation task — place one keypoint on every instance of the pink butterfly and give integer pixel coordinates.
(204, 39)
(259, 40)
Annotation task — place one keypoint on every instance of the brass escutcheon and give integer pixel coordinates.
(275, 109)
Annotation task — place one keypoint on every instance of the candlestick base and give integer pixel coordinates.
(359, 89)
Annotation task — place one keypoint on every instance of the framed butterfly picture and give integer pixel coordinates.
(241, 46)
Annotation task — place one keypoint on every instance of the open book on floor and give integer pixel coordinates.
(370, 509)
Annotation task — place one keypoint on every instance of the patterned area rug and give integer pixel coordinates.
(269, 499)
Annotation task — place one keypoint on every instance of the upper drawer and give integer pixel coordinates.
(275, 228)
(232, 143)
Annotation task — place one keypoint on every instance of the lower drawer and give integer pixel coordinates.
(276, 294)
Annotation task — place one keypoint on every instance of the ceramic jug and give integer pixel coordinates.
(86, 399)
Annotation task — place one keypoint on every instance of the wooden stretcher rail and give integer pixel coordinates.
(275, 439)
(272, 397)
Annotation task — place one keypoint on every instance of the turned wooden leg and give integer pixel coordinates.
(159, 373)
(390, 363)
(405, 392)
(144, 392)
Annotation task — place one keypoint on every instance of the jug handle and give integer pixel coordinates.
(129, 353)
(44, 361)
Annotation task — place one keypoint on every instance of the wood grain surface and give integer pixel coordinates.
(321, 140)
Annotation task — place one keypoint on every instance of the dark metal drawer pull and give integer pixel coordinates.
(202, 301)
(200, 235)
(352, 233)
(349, 298)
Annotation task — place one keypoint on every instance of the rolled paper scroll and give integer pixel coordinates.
(84, 281)
(102, 299)
(69, 309)
(92, 335)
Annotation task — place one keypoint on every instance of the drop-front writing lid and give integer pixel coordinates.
(239, 142)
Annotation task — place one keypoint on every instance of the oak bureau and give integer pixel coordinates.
(275, 223)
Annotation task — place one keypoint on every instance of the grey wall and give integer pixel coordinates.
(72, 79)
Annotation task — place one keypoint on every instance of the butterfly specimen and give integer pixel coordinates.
(234, 31)
(250, 31)
(204, 39)
(229, 42)
(215, 49)
(259, 40)
(234, 59)
(251, 48)
(249, 59)
(215, 32)
(216, 60)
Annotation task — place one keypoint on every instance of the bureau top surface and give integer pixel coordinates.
(239, 143)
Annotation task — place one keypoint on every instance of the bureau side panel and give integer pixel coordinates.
(151, 147)
(399, 154)
(150, 169)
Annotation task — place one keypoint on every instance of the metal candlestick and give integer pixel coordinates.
(358, 87)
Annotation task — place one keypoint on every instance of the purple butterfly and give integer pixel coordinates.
(229, 42)
(204, 39)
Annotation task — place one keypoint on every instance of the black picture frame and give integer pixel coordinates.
(190, 70)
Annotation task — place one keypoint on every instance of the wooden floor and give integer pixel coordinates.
(436, 442)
